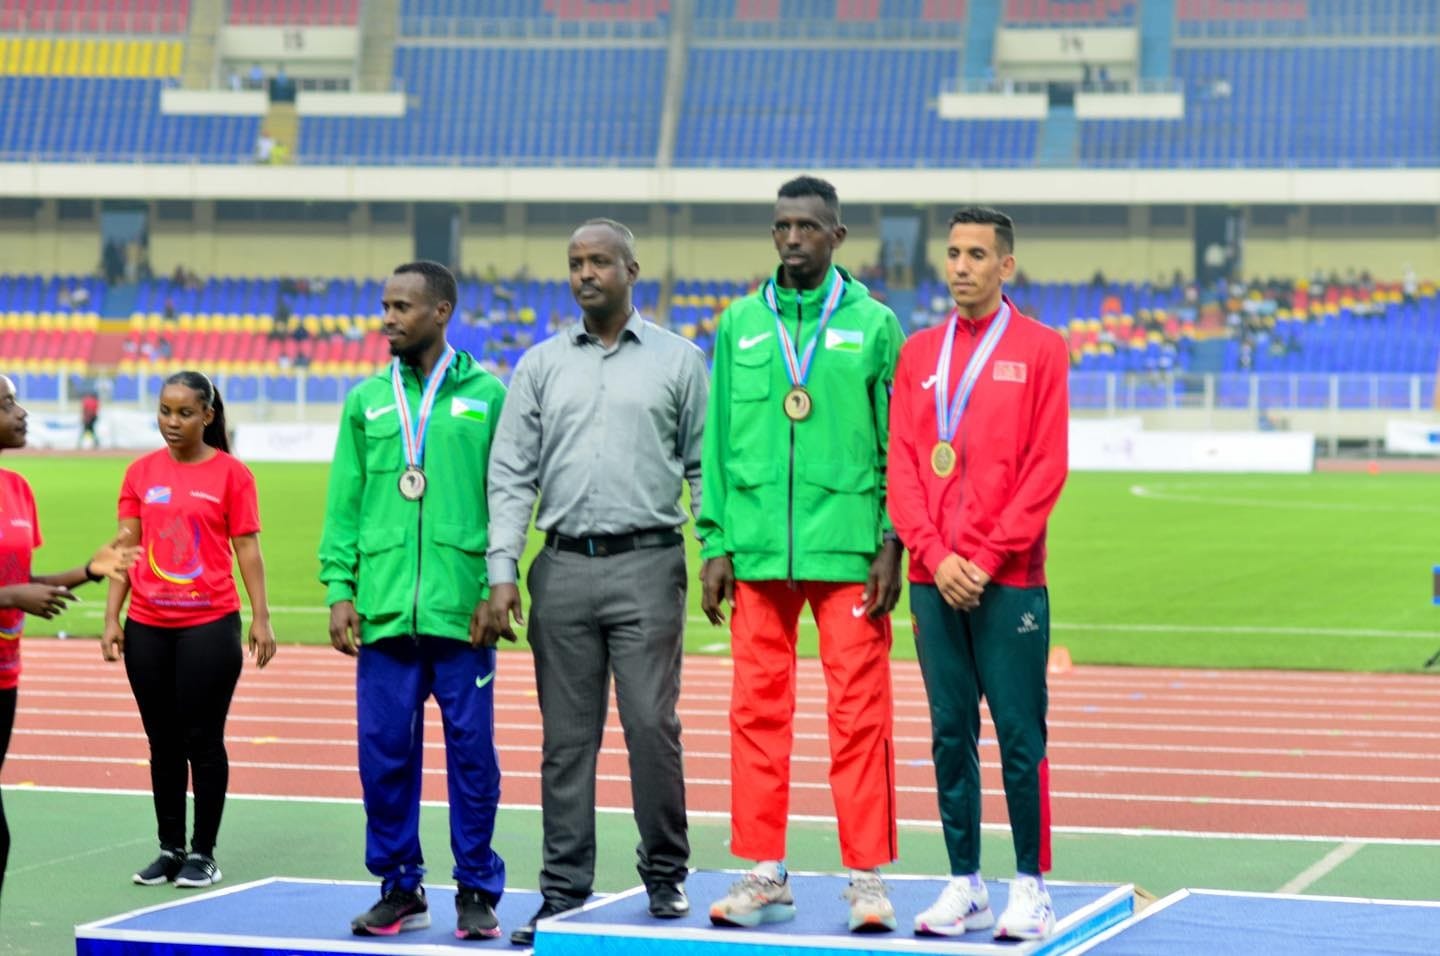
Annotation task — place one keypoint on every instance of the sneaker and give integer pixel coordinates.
(164, 869)
(753, 900)
(474, 915)
(1028, 914)
(870, 908)
(397, 911)
(199, 870)
(960, 908)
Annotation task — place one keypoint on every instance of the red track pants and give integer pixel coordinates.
(855, 653)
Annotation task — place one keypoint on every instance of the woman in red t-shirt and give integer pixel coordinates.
(23, 592)
(187, 504)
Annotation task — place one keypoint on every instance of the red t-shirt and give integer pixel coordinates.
(19, 537)
(188, 513)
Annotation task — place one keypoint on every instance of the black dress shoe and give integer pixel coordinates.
(668, 901)
(525, 935)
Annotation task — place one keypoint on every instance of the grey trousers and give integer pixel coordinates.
(589, 616)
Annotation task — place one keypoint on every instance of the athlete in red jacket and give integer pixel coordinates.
(977, 458)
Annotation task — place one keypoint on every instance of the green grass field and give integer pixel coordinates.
(1327, 571)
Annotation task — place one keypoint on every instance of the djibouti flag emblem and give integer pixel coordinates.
(844, 340)
(472, 408)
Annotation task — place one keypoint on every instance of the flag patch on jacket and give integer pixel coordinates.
(1010, 372)
(474, 409)
(844, 340)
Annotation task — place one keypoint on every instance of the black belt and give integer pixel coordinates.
(604, 545)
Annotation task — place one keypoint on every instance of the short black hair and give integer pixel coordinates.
(439, 281)
(622, 232)
(802, 186)
(985, 216)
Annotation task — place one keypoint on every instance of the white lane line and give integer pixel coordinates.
(1155, 492)
(721, 816)
(1311, 874)
(823, 785)
(901, 622)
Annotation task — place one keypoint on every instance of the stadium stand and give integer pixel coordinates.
(836, 115)
(70, 119)
(1070, 13)
(1281, 106)
(588, 105)
(94, 16)
(315, 13)
(535, 18)
(46, 56)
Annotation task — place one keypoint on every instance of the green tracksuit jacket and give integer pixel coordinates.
(801, 501)
(411, 567)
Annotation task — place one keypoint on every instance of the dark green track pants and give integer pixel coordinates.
(998, 651)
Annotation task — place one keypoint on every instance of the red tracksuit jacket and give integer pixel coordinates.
(1012, 446)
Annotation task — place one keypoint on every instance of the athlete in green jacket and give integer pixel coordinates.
(799, 501)
(411, 567)
(793, 511)
(403, 562)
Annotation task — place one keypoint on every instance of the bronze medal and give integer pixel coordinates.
(412, 484)
(942, 459)
(798, 404)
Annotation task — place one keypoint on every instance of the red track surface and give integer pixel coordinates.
(1266, 753)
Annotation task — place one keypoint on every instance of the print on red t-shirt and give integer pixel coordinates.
(19, 537)
(188, 513)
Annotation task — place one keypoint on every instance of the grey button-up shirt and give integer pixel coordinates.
(604, 436)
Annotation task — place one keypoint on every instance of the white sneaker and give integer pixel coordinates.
(1028, 914)
(960, 908)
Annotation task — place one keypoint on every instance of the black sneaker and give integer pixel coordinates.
(525, 935)
(199, 870)
(397, 911)
(474, 915)
(164, 869)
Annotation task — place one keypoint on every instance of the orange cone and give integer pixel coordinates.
(1059, 660)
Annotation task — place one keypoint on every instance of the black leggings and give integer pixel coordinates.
(183, 679)
(7, 722)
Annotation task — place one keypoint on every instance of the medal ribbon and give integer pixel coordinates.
(948, 419)
(798, 369)
(414, 438)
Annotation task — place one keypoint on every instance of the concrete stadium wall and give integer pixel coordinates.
(711, 243)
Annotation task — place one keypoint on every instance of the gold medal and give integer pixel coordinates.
(942, 459)
(798, 404)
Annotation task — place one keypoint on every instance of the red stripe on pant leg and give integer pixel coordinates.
(1044, 786)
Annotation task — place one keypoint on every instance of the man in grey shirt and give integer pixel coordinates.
(603, 421)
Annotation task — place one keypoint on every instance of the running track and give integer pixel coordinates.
(1311, 755)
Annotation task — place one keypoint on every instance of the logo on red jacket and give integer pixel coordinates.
(1010, 372)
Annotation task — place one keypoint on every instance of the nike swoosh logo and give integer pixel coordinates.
(857, 611)
(928, 384)
(482, 681)
(374, 413)
(752, 341)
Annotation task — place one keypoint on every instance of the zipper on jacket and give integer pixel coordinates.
(790, 503)
(420, 543)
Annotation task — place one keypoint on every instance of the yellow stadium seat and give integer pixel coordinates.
(229, 322)
(249, 323)
(267, 324)
(154, 323)
(311, 324)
